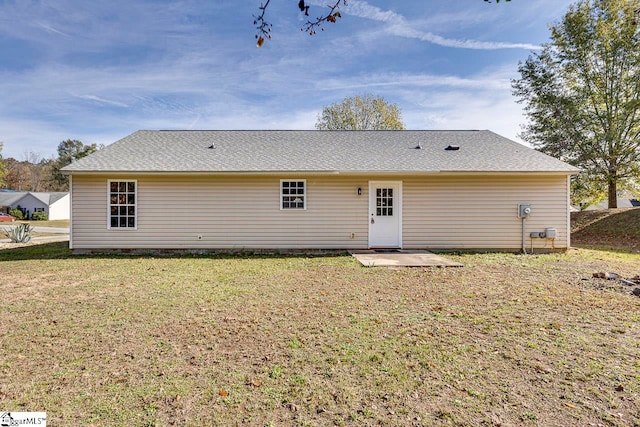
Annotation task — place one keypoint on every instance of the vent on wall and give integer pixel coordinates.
(452, 148)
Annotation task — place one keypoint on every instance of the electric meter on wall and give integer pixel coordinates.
(524, 210)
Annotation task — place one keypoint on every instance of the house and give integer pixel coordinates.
(56, 205)
(320, 190)
(623, 202)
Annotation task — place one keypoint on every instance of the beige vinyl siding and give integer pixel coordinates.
(228, 212)
(481, 212)
(243, 212)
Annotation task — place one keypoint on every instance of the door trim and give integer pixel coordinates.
(397, 207)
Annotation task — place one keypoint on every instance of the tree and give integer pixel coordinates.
(582, 92)
(311, 25)
(586, 191)
(36, 171)
(18, 175)
(32, 174)
(360, 113)
(68, 151)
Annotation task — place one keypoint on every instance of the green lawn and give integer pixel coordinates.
(618, 229)
(60, 223)
(505, 340)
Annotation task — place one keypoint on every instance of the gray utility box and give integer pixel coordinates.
(524, 210)
(548, 233)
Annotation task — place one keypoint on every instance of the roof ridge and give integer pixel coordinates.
(314, 130)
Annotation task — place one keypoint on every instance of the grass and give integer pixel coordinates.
(609, 229)
(230, 340)
(59, 223)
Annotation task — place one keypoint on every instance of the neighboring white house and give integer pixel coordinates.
(622, 203)
(56, 205)
(319, 190)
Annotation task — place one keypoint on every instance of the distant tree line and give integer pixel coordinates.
(35, 173)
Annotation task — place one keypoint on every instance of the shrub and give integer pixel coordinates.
(17, 213)
(20, 233)
(39, 216)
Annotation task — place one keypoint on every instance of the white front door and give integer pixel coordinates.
(385, 214)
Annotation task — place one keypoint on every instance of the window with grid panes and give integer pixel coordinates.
(122, 204)
(293, 194)
(384, 202)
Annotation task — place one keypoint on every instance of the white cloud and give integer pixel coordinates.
(102, 100)
(22, 135)
(458, 110)
(480, 101)
(51, 29)
(399, 26)
(378, 81)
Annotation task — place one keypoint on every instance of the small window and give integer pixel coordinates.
(384, 202)
(122, 204)
(293, 194)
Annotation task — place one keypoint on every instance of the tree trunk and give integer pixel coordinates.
(613, 192)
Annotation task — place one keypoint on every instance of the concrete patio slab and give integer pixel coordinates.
(400, 258)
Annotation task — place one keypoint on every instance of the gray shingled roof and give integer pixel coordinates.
(317, 151)
(48, 198)
(10, 198)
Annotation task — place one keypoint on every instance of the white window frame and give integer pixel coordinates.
(135, 216)
(282, 195)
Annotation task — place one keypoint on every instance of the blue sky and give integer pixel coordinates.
(97, 71)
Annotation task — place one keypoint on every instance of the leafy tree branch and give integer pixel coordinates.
(311, 26)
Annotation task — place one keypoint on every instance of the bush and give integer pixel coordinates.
(39, 216)
(17, 213)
